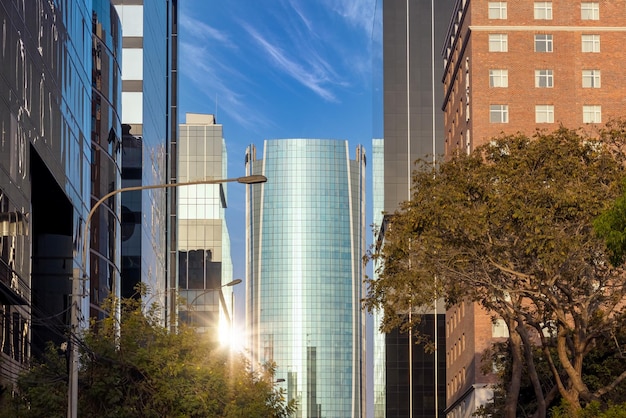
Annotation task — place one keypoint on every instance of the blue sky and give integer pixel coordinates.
(279, 69)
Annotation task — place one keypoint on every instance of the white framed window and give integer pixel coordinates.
(498, 78)
(592, 114)
(544, 113)
(591, 79)
(543, 10)
(543, 43)
(591, 43)
(544, 78)
(590, 10)
(498, 42)
(499, 329)
(499, 113)
(497, 10)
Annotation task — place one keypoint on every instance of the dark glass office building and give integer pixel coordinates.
(59, 151)
(413, 35)
(106, 142)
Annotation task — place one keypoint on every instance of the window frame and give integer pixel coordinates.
(592, 114)
(544, 112)
(595, 79)
(544, 8)
(499, 9)
(498, 78)
(592, 40)
(547, 42)
(590, 10)
(545, 74)
(502, 42)
(500, 110)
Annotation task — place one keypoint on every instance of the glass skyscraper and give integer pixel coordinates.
(305, 239)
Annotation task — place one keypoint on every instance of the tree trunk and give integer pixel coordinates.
(512, 395)
(575, 383)
(532, 372)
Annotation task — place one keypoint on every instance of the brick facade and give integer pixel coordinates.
(469, 95)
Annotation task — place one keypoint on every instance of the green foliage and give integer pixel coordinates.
(48, 388)
(138, 369)
(511, 227)
(611, 226)
(593, 410)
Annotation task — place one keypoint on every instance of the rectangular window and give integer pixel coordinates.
(589, 10)
(499, 113)
(591, 79)
(499, 329)
(543, 43)
(544, 78)
(498, 78)
(543, 10)
(544, 114)
(592, 114)
(591, 43)
(498, 42)
(497, 10)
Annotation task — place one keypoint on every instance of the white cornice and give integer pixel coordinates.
(548, 28)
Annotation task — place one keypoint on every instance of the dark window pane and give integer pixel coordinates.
(195, 269)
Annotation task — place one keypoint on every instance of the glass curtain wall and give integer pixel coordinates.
(305, 237)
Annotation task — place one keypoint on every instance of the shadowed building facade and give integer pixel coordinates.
(305, 239)
(60, 151)
(413, 383)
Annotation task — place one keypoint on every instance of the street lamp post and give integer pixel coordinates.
(77, 294)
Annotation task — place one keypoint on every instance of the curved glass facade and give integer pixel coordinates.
(305, 237)
(106, 83)
(46, 161)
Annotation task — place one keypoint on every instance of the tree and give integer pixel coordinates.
(603, 364)
(138, 369)
(511, 227)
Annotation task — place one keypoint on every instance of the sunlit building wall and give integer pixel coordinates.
(204, 260)
(305, 240)
(378, 194)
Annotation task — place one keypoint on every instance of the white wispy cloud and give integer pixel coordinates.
(350, 60)
(203, 32)
(295, 5)
(358, 13)
(209, 75)
(313, 72)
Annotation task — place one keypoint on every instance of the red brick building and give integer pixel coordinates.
(518, 66)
